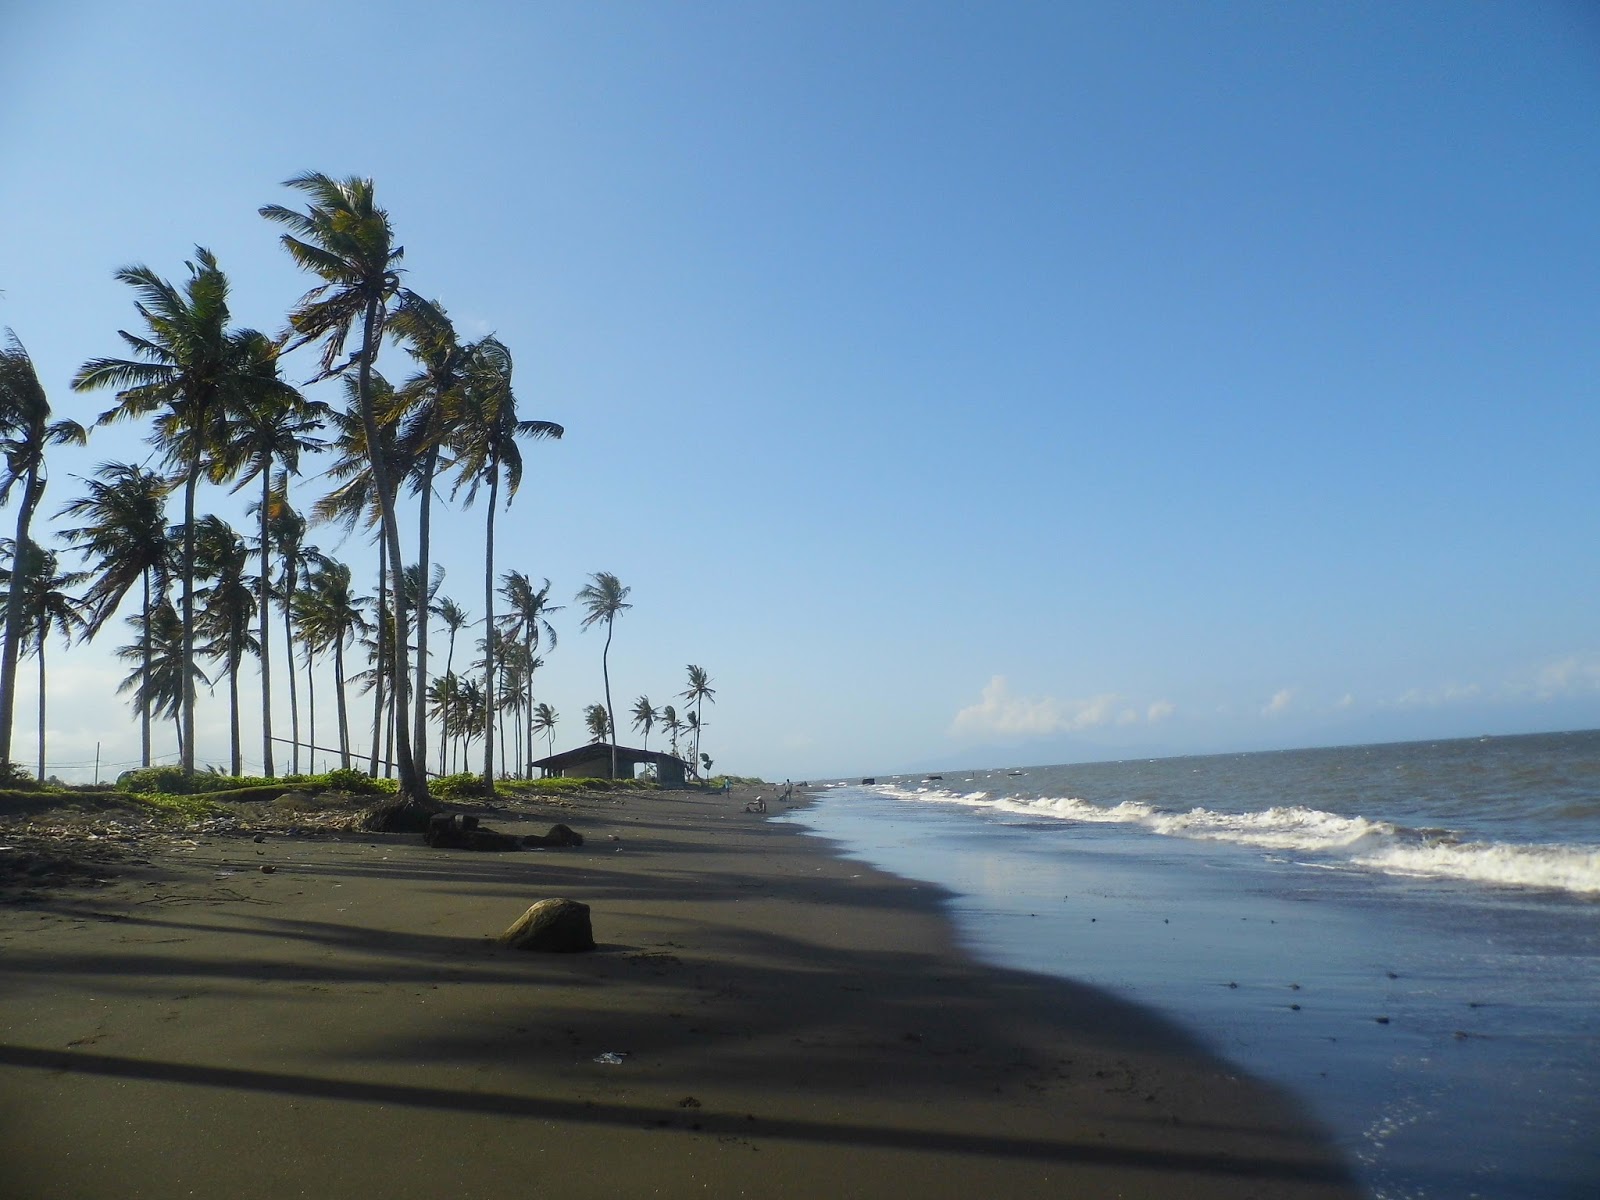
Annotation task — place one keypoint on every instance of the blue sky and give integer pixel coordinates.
(957, 384)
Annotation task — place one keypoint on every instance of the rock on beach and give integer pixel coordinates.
(557, 926)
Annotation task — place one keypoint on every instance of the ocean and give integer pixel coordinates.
(1405, 936)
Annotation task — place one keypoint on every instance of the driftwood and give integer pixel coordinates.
(559, 835)
(459, 831)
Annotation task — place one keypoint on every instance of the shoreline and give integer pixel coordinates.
(789, 1022)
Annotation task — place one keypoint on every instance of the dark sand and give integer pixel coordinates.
(791, 1024)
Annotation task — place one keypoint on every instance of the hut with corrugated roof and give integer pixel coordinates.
(594, 762)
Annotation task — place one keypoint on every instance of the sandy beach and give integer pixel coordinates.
(760, 1018)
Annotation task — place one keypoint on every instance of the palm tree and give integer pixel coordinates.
(46, 608)
(356, 502)
(444, 697)
(644, 717)
(673, 726)
(378, 645)
(188, 368)
(124, 538)
(346, 239)
(697, 693)
(157, 681)
(598, 718)
(329, 614)
(420, 600)
(264, 431)
(286, 532)
(603, 598)
(517, 667)
(432, 405)
(530, 622)
(466, 722)
(488, 448)
(227, 606)
(544, 721)
(455, 620)
(691, 724)
(26, 432)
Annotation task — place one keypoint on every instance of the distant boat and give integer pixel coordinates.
(1016, 772)
(932, 778)
(869, 779)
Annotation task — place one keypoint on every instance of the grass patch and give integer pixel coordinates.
(179, 808)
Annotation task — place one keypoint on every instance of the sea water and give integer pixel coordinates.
(1406, 936)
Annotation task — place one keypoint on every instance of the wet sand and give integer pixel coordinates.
(788, 1024)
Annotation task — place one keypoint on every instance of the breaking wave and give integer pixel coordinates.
(1354, 840)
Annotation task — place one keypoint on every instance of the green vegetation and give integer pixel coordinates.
(180, 808)
(169, 781)
(460, 786)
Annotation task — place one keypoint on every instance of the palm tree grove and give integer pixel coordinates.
(249, 620)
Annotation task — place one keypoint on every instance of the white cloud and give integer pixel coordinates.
(1160, 711)
(1347, 700)
(1450, 693)
(1279, 703)
(999, 713)
(1573, 675)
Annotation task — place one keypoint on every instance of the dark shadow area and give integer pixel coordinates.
(595, 1112)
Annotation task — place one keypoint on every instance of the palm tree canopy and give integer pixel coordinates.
(529, 609)
(644, 715)
(603, 598)
(355, 500)
(124, 535)
(699, 686)
(544, 717)
(162, 690)
(228, 602)
(344, 237)
(415, 599)
(490, 428)
(598, 721)
(26, 430)
(433, 402)
(191, 367)
(455, 617)
(329, 613)
(270, 425)
(46, 606)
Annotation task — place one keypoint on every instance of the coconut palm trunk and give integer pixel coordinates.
(10, 656)
(605, 673)
(339, 696)
(291, 576)
(419, 726)
(379, 658)
(144, 666)
(263, 595)
(186, 720)
(236, 741)
(489, 692)
(311, 718)
(42, 724)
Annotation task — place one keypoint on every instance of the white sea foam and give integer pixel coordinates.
(1357, 841)
(1274, 829)
(1569, 868)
